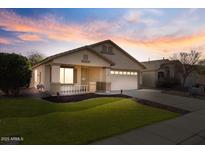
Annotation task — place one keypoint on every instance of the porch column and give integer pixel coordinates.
(107, 79)
(55, 79)
(78, 75)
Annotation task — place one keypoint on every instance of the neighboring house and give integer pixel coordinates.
(151, 74)
(202, 62)
(163, 69)
(102, 66)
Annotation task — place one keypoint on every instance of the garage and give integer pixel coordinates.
(125, 80)
(149, 79)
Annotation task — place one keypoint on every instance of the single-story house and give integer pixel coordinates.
(102, 66)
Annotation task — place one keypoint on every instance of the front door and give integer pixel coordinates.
(84, 76)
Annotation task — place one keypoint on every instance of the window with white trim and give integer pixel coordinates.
(66, 75)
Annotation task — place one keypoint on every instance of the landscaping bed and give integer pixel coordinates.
(76, 98)
(80, 97)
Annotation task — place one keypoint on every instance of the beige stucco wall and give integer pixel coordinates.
(96, 74)
(39, 69)
(77, 57)
(149, 79)
(99, 69)
(121, 60)
(55, 73)
(47, 77)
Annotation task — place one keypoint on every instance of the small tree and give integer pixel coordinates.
(189, 61)
(34, 58)
(15, 72)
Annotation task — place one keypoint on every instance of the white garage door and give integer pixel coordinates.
(123, 80)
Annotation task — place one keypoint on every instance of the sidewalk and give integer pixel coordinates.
(187, 129)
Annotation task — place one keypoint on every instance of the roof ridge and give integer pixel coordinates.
(154, 60)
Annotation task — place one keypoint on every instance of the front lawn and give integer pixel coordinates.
(41, 122)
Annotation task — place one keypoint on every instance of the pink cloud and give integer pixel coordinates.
(50, 28)
(5, 41)
(29, 37)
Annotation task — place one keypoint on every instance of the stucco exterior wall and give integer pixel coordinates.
(121, 60)
(149, 79)
(55, 73)
(40, 75)
(47, 77)
(95, 74)
(76, 59)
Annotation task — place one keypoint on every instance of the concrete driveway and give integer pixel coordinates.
(186, 129)
(186, 103)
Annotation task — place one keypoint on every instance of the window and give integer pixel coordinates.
(85, 59)
(107, 49)
(116, 72)
(35, 76)
(160, 75)
(112, 72)
(110, 49)
(66, 75)
(104, 48)
(123, 73)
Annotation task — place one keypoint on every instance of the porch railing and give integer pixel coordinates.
(73, 89)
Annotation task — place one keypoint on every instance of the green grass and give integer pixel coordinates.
(41, 122)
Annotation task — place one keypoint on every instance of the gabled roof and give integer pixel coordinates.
(70, 52)
(154, 64)
(89, 47)
(119, 48)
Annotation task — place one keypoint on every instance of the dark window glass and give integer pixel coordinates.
(160, 75)
(110, 49)
(104, 48)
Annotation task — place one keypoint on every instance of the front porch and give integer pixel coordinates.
(74, 80)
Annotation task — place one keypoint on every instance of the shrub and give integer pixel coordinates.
(167, 83)
(15, 72)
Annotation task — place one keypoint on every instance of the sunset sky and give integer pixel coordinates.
(144, 33)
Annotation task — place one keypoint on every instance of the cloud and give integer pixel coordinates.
(141, 16)
(133, 16)
(5, 41)
(156, 12)
(167, 44)
(48, 27)
(176, 33)
(30, 37)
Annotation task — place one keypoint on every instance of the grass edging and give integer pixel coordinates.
(161, 106)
